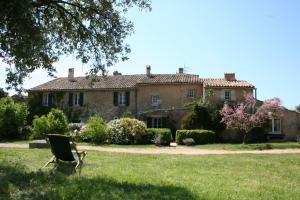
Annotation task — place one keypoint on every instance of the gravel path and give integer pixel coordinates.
(167, 150)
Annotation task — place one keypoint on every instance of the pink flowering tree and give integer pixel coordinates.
(247, 115)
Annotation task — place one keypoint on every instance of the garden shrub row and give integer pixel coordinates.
(123, 131)
(199, 136)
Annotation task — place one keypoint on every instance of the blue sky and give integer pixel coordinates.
(259, 40)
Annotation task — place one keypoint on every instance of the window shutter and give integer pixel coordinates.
(222, 95)
(70, 99)
(115, 98)
(233, 96)
(127, 97)
(81, 99)
(50, 99)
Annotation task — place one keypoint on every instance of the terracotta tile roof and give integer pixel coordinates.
(170, 78)
(224, 83)
(115, 82)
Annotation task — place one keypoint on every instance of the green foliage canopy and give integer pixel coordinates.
(35, 33)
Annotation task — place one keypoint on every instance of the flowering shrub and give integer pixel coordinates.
(126, 131)
(95, 131)
(245, 116)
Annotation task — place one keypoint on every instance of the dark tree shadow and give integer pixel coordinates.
(17, 183)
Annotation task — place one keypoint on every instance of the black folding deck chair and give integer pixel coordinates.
(64, 149)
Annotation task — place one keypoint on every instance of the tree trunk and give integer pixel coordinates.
(245, 138)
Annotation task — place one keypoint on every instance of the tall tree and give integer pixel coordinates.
(35, 33)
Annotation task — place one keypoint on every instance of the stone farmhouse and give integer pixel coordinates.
(157, 99)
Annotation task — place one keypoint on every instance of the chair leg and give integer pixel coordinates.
(78, 164)
(80, 161)
(52, 160)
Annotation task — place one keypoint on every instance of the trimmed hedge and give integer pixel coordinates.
(159, 136)
(199, 136)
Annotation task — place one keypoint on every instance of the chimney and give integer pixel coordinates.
(71, 74)
(180, 70)
(148, 70)
(115, 73)
(229, 76)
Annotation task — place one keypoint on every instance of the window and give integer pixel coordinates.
(276, 126)
(45, 99)
(227, 95)
(191, 93)
(76, 98)
(122, 98)
(156, 122)
(155, 100)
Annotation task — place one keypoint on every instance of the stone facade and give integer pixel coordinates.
(290, 125)
(158, 99)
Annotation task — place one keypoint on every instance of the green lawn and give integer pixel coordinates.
(259, 146)
(135, 176)
(217, 146)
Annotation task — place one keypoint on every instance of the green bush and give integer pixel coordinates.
(198, 119)
(95, 130)
(54, 123)
(40, 127)
(126, 131)
(199, 136)
(161, 136)
(12, 118)
(57, 121)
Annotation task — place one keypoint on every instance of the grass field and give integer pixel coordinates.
(217, 146)
(258, 146)
(132, 176)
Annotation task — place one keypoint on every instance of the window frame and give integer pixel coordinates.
(45, 99)
(155, 100)
(229, 96)
(191, 93)
(273, 126)
(76, 99)
(157, 122)
(122, 98)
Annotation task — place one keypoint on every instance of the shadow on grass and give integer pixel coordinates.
(17, 183)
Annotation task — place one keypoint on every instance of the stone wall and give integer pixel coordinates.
(290, 124)
(171, 96)
(219, 93)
